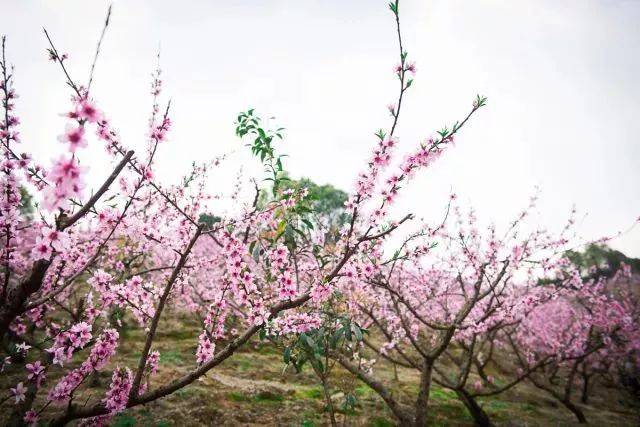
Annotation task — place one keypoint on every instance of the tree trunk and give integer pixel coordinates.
(17, 293)
(422, 401)
(480, 417)
(327, 398)
(399, 411)
(576, 411)
(585, 389)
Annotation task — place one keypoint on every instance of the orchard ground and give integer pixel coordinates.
(254, 388)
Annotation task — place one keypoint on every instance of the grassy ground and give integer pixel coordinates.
(251, 388)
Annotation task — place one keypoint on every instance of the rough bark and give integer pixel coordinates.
(422, 402)
(480, 417)
(575, 410)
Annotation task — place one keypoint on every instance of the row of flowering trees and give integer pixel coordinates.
(456, 305)
(442, 304)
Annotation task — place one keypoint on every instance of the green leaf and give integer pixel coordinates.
(287, 355)
(309, 341)
(347, 332)
(298, 231)
(336, 337)
(357, 332)
(317, 364)
(299, 363)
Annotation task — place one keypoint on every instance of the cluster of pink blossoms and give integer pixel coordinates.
(215, 318)
(67, 342)
(103, 349)
(9, 180)
(66, 174)
(49, 241)
(67, 183)
(297, 323)
(281, 269)
(118, 394)
(367, 180)
(206, 348)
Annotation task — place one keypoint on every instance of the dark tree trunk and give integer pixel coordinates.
(17, 293)
(422, 402)
(576, 411)
(480, 417)
(585, 389)
(403, 415)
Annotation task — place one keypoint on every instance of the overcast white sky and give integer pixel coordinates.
(561, 78)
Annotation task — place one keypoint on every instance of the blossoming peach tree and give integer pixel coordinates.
(137, 246)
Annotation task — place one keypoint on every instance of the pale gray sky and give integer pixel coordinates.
(560, 77)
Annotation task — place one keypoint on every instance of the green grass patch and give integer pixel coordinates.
(172, 357)
(262, 397)
(313, 393)
(496, 405)
(381, 422)
(180, 334)
(269, 350)
(441, 394)
(453, 412)
(244, 365)
(123, 420)
(268, 397)
(186, 392)
(363, 390)
(238, 397)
